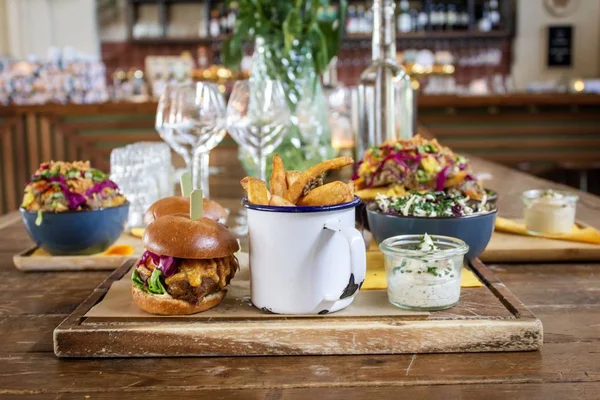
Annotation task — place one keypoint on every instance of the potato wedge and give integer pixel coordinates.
(351, 187)
(296, 190)
(277, 183)
(279, 201)
(332, 193)
(257, 190)
(291, 176)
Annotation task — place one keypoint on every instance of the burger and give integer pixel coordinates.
(181, 205)
(187, 265)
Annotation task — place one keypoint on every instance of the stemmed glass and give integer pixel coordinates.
(191, 119)
(258, 118)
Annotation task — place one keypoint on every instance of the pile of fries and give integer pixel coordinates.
(300, 188)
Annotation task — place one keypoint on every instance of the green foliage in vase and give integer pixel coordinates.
(298, 44)
(287, 27)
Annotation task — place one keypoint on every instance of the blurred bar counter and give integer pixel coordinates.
(538, 133)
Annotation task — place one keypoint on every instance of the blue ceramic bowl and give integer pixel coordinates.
(475, 230)
(77, 232)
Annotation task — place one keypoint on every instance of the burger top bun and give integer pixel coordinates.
(178, 236)
(181, 204)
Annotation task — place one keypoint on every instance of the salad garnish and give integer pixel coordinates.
(434, 204)
(59, 186)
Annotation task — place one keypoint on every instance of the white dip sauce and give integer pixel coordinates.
(552, 212)
(425, 284)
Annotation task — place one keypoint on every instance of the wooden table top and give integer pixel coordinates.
(566, 297)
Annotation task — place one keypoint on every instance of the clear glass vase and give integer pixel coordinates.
(308, 141)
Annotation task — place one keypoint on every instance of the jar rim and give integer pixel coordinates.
(457, 247)
(533, 194)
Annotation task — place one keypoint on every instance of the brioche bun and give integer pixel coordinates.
(166, 305)
(181, 204)
(179, 236)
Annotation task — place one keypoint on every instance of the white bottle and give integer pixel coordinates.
(215, 27)
(484, 24)
(451, 17)
(362, 21)
(422, 19)
(494, 13)
(404, 20)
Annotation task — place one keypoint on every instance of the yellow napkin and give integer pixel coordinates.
(137, 232)
(376, 277)
(114, 250)
(579, 234)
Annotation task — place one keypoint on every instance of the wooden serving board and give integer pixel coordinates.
(487, 318)
(28, 261)
(507, 247)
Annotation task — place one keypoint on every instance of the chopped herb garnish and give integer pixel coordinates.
(434, 204)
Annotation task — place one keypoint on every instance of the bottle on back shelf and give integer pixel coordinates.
(351, 20)
(223, 21)
(464, 18)
(369, 20)
(362, 23)
(451, 17)
(494, 13)
(232, 16)
(433, 18)
(422, 19)
(404, 19)
(442, 17)
(214, 28)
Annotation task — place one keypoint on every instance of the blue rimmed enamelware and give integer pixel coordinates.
(302, 209)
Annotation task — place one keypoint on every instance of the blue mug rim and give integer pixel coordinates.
(24, 211)
(301, 209)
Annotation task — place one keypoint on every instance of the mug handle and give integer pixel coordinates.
(358, 260)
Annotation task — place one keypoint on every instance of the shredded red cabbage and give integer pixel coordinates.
(440, 180)
(166, 264)
(400, 160)
(75, 200)
(98, 187)
(356, 167)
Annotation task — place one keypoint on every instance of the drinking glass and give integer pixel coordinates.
(193, 125)
(165, 121)
(144, 174)
(258, 118)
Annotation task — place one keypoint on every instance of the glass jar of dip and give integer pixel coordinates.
(549, 211)
(423, 272)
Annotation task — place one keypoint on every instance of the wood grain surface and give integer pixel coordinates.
(506, 247)
(28, 261)
(564, 296)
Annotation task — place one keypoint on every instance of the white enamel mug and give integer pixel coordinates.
(304, 260)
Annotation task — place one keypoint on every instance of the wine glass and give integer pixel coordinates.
(193, 123)
(258, 118)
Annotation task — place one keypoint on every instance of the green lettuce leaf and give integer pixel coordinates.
(137, 281)
(155, 285)
(40, 218)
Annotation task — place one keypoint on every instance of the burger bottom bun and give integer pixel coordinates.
(162, 305)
